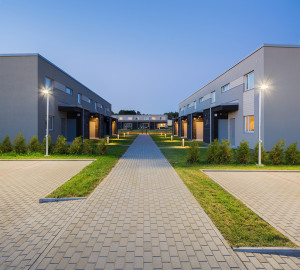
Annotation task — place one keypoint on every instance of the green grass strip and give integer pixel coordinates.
(239, 225)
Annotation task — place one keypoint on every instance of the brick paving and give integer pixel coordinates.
(141, 216)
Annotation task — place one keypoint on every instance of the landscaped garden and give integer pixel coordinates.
(106, 155)
(239, 225)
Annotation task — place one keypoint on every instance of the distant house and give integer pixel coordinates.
(145, 121)
(74, 109)
(228, 106)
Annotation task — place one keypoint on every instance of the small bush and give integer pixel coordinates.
(213, 152)
(292, 154)
(88, 147)
(277, 153)
(76, 146)
(193, 153)
(6, 145)
(49, 144)
(101, 148)
(20, 144)
(34, 145)
(243, 153)
(61, 146)
(264, 154)
(226, 153)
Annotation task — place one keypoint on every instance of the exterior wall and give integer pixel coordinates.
(59, 96)
(235, 95)
(19, 96)
(281, 100)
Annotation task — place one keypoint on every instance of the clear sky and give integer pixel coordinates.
(146, 55)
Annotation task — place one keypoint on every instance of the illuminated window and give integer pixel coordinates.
(249, 123)
(249, 81)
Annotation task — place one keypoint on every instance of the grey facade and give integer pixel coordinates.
(23, 104)
(145, 121)
(228, 107)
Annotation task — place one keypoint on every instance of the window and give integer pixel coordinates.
(49, 84)
(153, 118)
(249, 123)
(129, 118)
(249, 81)
(225, 88)
(51, 123)
(89, 100)
(146, 118)
(96, 106)
(69, 91)
(213, 96)
(121, 118)
(200, 99)
(195, 105)
(79, 98)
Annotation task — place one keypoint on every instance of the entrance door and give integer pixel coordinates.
(185, 129)
(92, 130)
(71, 129)
(232, 131)
(199, 131)
(222, 129)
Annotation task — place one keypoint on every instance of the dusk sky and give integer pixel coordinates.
(146, 55)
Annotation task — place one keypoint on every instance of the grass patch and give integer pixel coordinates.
(127, 140)
(161, 141)
(239, 225)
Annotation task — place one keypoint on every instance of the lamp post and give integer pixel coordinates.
(47, 93)
(263, 87)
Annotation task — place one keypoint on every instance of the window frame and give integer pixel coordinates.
(79, 98)
(223, 90)
(51, 88)
(71, 91)
(213, 94)
(246, 81)
(201, 100)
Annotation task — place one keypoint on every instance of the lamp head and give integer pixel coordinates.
(46, 91)
(264, 87)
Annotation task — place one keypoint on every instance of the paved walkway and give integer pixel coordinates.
(141, 216)
(275, 196)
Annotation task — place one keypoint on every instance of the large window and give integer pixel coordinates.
(225, 88)
(49, 84)
(213, 96)
(200, 99)
(249, 81)
(249, 123)
(79, 98)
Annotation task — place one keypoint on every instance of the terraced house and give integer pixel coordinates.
(74, 109)
(144, 121)
(228, 106)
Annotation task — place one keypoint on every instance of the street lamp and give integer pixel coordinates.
(47, 93)
(262, 88)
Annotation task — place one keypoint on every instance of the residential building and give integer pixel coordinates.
(228, 106)
(74, 109)
(144, 121)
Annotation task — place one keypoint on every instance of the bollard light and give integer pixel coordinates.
(107, 140)
(118, 137)
(171, 138)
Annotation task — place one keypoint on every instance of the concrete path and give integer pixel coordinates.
(275, 196)
(141, 216)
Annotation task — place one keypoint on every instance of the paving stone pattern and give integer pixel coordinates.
(141, 216)
(275, 196)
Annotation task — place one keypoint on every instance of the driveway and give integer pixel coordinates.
(275, 196)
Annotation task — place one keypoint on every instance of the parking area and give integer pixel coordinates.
(274, 196)
(27, 227)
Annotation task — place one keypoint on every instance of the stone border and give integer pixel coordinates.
(224, 170)
(295, 252)
(48, 200)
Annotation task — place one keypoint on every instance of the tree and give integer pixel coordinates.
(127, 112)
(172, 115)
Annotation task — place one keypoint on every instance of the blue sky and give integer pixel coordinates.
(146, 55)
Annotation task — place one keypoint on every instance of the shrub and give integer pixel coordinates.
(292, 154)
(49, 144)
(6, 145)
(88, 147)
(193, 153)
(264, 154)
(34, 145)
(20, 144)
(101, 148)
(76, 146)
(226, 153)
(213, 152)
(243, 153)
(61, 146)
(277, 153)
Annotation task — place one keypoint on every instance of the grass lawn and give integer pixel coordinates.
(127, 140)
(161, 141)
(144, 131)
(239, 225)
